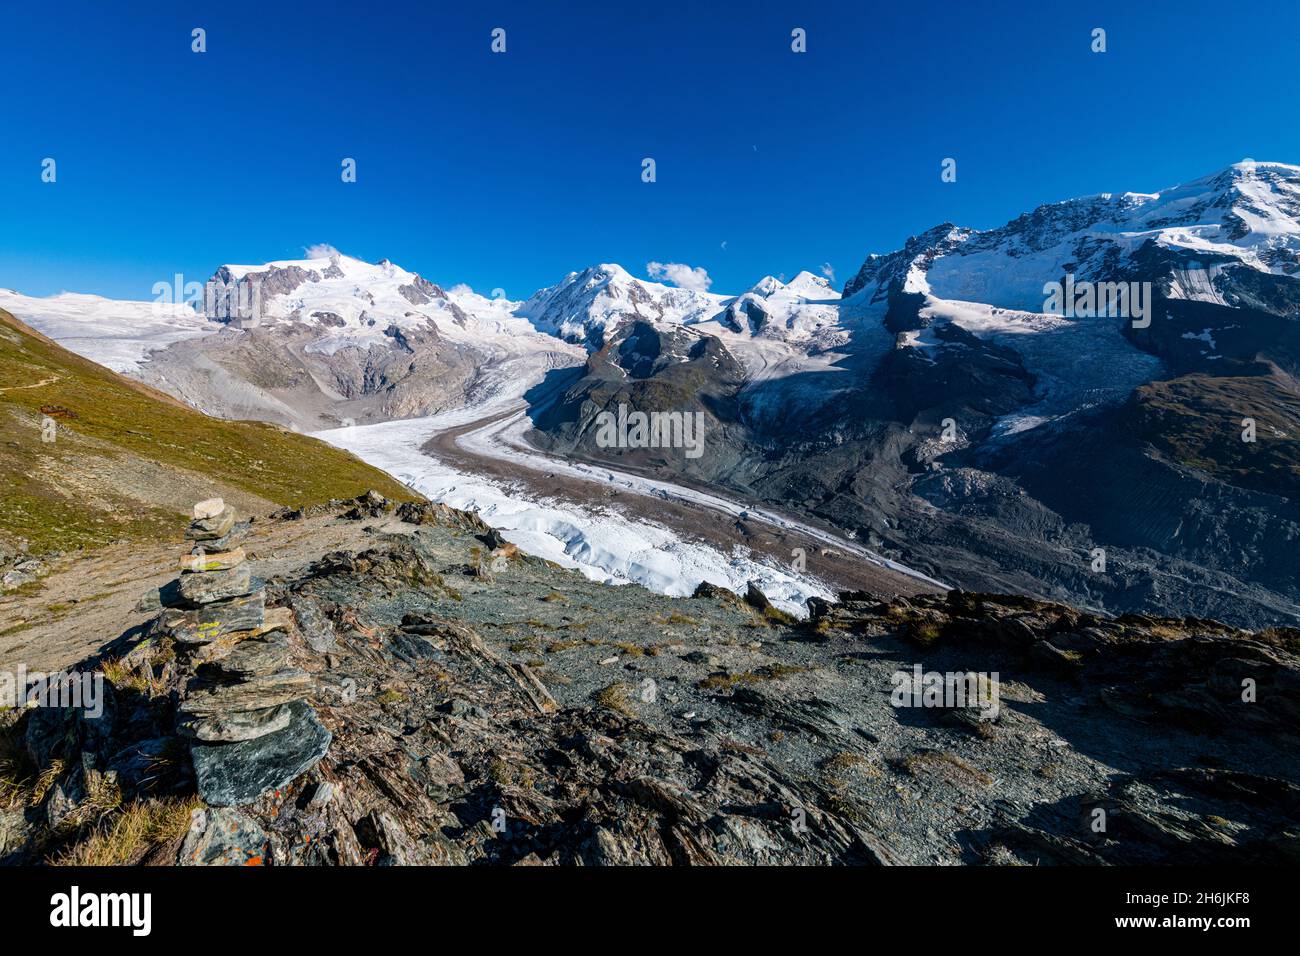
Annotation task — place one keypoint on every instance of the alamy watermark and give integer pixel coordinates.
(64, 690)
(1086, 300)
(651, 430)
(74, 908)
(961, 689)
(238, 300)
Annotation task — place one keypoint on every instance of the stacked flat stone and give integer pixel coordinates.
(215, 602)
(245, 708)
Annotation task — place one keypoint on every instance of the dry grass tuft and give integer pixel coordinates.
(765, 673)
(946, 765)
(137, 831)
(615, 698)
(17, 776)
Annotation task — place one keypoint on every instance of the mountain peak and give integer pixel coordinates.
(587, 306)
(1246, 215)
(811, 286)
(1252, 167)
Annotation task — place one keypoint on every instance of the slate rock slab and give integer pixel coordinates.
(231, 540)
(216, 585)
(257, 657)
(201, 560)
(16, 836)
(314, 625)
(208, 529)
(205, 624)
(268, 690)
(222, 836)
(136, 764)
(209, 508)
(412, 648)
(237, 726)
(275, 619)
(236, 774)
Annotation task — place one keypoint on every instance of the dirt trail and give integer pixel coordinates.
(41, 384)
(88, 600)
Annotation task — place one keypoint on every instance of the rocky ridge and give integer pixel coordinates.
(486, 707)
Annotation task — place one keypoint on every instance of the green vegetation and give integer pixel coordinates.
(140, 677)
(776, 616)
(127, 460)
(1197, 420)
(923, 632)
(676, 617)
(133, 834)
(615, 698)
(765, 673)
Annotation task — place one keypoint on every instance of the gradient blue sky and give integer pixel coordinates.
(512, 170)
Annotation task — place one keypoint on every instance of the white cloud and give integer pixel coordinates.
(681, 275)
(321, 250)
(828, 271)
(461, 288)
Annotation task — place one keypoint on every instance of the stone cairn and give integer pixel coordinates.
(244, 705)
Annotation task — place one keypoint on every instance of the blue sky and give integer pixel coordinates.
(512, 170)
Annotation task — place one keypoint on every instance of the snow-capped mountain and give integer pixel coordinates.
(1191, 238)
(592, 305)
(340, 339)
(1229, 239)
(312, 343)
(352, 303)
(789, 311)
(841, 404)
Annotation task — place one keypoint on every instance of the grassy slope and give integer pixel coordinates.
(128, 458)
(1196, 419)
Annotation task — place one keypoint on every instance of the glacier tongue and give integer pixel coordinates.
(601, 544)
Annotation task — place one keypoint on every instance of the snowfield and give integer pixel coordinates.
(118, 335)
(1077, 363)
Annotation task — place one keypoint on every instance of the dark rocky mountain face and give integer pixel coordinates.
(1191, 518)
(273, 374)
(647, 369)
